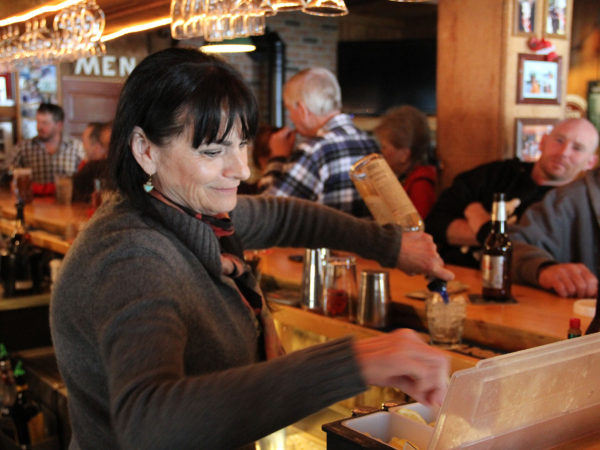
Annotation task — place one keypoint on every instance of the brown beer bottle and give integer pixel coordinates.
(497, 255)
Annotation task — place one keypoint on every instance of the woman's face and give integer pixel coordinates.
(205, 179)
(397, 158)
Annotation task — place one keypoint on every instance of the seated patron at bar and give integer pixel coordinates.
(51, 152)
(317, 167)
(555, 244)
(460, 219)
(405, 141)
(96, 138)
(260, 157)
(161, 335)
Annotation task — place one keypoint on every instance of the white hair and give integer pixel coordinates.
(317, 88)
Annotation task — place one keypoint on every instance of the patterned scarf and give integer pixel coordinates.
(234, 266)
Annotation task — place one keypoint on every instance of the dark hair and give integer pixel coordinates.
(260, 146)
(97, 128)
(58, 115)
(168, 92)
(407, 127)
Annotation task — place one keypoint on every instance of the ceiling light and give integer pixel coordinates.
(238, 45)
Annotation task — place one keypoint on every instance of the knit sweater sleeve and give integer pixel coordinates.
(548, 232)
(264, 222)
(155, 405)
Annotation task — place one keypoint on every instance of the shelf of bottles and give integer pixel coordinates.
(21, 417)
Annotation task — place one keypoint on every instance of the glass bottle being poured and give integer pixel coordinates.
(387, 200)
(383, 194)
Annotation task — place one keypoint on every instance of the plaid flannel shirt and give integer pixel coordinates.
(319, 168)
(32, 153)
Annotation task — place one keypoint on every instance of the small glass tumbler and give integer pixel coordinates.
(339, 287)
(445, 320)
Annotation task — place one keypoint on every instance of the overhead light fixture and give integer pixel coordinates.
(237, 45)
(326, 8)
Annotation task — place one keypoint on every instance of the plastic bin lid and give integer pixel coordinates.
(533, 398)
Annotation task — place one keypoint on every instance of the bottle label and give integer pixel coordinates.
(492, 268)
(383, 194)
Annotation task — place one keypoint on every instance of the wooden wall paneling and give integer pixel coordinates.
(469, 81)
(88, 100)
(585, 46)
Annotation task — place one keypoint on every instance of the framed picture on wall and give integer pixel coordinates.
(524, 17)
(538, 80)
(528, 135)
(555, 18)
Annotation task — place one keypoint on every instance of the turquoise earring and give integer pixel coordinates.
(148, 186)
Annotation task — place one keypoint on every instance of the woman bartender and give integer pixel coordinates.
(161, 334)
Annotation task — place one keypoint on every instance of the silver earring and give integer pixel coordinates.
(148, 186)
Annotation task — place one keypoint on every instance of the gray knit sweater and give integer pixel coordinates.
(157, 349)
(563, 228)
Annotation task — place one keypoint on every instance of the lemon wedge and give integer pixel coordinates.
(411, 414)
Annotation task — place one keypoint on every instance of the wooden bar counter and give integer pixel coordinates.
(538, 317)
(52, 226)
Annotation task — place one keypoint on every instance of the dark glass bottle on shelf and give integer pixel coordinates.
(8, 391)
(16, 259)
(24, 408)
(497, 255)
(594, 326)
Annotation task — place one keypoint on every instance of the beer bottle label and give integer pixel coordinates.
(492, 268)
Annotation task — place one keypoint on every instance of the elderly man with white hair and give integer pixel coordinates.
(315, 165)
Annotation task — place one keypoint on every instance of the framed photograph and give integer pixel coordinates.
(555, 16)
(539, 80)
(524, 18)
(528, 135)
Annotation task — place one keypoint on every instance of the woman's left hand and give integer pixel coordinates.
(401, 359)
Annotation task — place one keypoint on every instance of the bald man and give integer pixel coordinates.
(460, 219)
(556, 243)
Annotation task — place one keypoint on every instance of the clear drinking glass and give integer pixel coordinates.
(445, 320)
(340, 292)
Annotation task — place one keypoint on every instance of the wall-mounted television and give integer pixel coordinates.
(376, 75)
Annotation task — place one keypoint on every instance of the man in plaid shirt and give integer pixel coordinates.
(318, 168)
(50, 153)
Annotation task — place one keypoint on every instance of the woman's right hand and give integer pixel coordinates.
(401, 359)
(418, 254)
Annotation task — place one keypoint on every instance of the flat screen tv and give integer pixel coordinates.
(377, 75)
